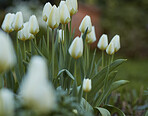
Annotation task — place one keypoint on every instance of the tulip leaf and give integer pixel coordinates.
(103, 111)
(85, 105)
(67, 72)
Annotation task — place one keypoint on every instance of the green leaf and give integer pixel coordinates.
(85, 105)
(118, 84)
(146, 114)
(103, 111)
(67, 72)
(113, 109)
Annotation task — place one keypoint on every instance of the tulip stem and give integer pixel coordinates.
(48, 41)
(70, 27)
(112, 59)
(63, 43)
(102, 58)
(53, 52)
(1, 80)
(17, 43)
(30, 45)
(24, 51)
(75, 69)
(86, 101)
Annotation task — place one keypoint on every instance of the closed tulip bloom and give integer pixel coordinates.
(72, 6)
(53, 18)
(76, 48)
(110, 49)
(86, 23)
(36, 91)
(7, 54)
(6, 103)
(86, 85)
(64, 13)
(103, 42)
(60, 36)
(18, 21)
(46, 11)
(7, 23)
(91, 37)
(33, 25)
(116, 42)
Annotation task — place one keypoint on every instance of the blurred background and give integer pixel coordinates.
(127, 18)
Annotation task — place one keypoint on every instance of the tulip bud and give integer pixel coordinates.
(86, 85)
(7, 54)
(116, 42)
(86, 23)
(18, 21)
(33, 25)
(72, 6)
(91, 37)
(6, 103)
(53, 18)
(36, 91)
(64, 13)
(60, 35)
(24, 34)
(110, 49)
(103, 42)
(76, 48)
(46, 11)
(7, 23)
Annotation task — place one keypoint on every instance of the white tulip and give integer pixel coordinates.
(110, 49)
(60, 36)
(116, 42)
(7, 54)
(33, 25)
(53, 18)
(76, 48)
(86, 23)
(72, 6)
(36, 91)
(46, 11)
(24, 34)
(6, 103)
(7, 23)
(86, 85)
(91, 37)
(64, 13)
(18, 21)
(103, 42)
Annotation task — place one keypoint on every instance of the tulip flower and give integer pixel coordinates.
(7, 23)
(60, 36)
(24, 34)
(76, 48)
(86, 23)
(116, 42)
(36, 91)
(33, 25)
(91, 37)
(18, 21)
(6, 103)
(72, 6)
(7, 54)
(46, 11)
(86, 85)
(64, 13)
(53, 18)
(103, 42)
(110, 49)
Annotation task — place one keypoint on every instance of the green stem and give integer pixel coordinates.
(1, 81)
(30, 45)
(75, 69)
(102, 58)
(86, 101)
(53, 52)
(70, 27)
(17, 43)
(112, 59)
(24, 51)
(48, 41)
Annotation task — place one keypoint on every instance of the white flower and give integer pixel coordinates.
(103, 42)
(18, 21)
(86, 85)
(46, 11)
(33, 25)
(36, 91)
(110, 49)
(60, 35)
(76, 48)
(24, 34)
(116, 42)
(64, 13)
(7, 54)
(91, 37)
(72, 6)
(53, 18)
(7, 23)
(86, 23)
(6, 103)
